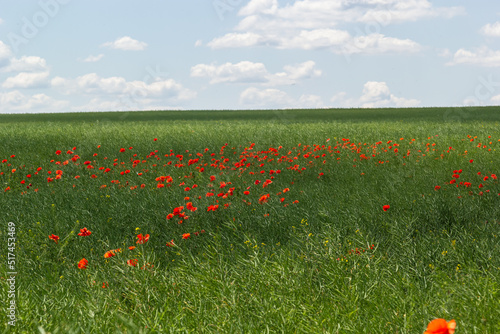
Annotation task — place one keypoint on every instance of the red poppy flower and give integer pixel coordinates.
(171, 243)
(112, 253)
(212, 207)
(109, 254)
(263, 198)
(84, 232)
(186, 235)
(189, 206)
(441, 326)
(178, 210)
(142, 239)
(386, 207)
(266, 183)
(54, 237)
(132, 262)
(82, 264)
(131, 247)
(437, 188)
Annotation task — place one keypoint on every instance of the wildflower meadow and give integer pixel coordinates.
(295, 221)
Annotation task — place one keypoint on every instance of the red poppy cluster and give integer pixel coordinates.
(485, 182)
(84, 232)
(216, 180)
(356, 251)
(54, 237)
(141, 239)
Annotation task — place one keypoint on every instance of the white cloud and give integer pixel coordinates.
(275, 98)
(495, 99)
(198, 43)
(118, 92)
(478, 100)
(249, 72)
(93, 59)
(27, 64)
(15, 101)
(5, 54)
(103, 104)
(260, 7)
(312, 14)
(375, 90)
(481, 57)
(122, 104)
(444, 53)
(378, 43)
(314, 39)
(338, 41)
(304, 70)
(491, 29)
(1, 21)
(243, 72)
(266, 97)
(312, 24)
(237, 40)
(126, 43)
(27, 80)
(375, 94)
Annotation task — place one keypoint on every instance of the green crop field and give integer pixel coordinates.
(269, 221)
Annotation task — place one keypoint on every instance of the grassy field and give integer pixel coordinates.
(297, 221)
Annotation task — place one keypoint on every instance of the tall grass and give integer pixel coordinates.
(331, 260)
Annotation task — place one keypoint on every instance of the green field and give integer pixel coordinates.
(296, 239)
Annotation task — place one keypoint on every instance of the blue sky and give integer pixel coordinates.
(68, 55)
